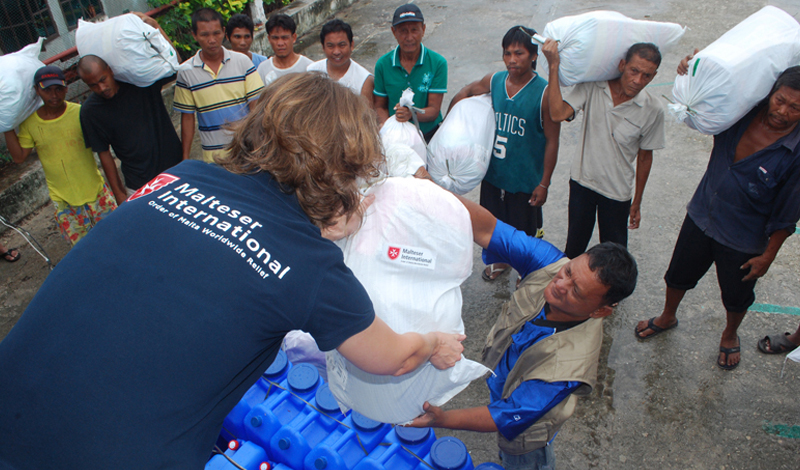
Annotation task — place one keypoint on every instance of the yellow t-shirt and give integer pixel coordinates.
(69, 167)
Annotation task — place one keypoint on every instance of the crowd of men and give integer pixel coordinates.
(255, 116)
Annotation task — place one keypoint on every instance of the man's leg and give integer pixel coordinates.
(492, 198)
(612, 220)
(582, 210)
(691, 259)
(737, 297)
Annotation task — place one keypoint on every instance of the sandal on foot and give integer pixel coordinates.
(651, 325)
(9, 257)
(493, 273)
(727, 352)
(778, 344)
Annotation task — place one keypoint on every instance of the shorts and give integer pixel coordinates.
(512, 208)
(693, 255)
(76, 221)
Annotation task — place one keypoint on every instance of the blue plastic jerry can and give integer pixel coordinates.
(233, 426)
(294, 441)
(245, 454)
(345, 451)
(264, 420)
(489, 466)
(448, 453)
(402, 449)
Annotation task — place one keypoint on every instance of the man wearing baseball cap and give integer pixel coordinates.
(80, 197)
(411, 65)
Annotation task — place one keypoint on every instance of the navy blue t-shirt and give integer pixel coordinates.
(155, 324)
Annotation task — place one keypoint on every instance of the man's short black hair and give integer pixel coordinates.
(239, 21)
(645, 50)
(281, 21)
(521, 35)
(789, 78)
(616, 269)
(206, 14)
(335, 26)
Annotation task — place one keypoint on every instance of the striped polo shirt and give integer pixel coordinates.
(219, 98)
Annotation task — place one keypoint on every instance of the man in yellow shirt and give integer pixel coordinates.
(80, 196)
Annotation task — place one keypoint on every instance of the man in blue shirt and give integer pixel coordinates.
(746, 205)
(545, 345)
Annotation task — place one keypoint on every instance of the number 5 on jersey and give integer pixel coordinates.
(500, 147)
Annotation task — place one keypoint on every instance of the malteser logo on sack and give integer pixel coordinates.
(154, 185)
(412, 256)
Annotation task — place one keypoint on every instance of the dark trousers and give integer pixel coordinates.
(584, 206)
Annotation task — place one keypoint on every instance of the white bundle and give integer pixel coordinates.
(136, 52)
(16, 85)
(592, 44)
(730, 76)
(412, 253)
(402, 160)
(405, 133)
(462, 147)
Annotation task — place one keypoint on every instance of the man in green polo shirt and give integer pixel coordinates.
(411, 65)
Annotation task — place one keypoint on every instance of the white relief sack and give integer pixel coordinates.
(734, 73)
(16, 85)
(136, 52)
(412, 253)
(405, 133)
(461, 149)
(592, 44)
(402, 160)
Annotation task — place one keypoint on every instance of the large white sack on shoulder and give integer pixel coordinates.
(404, 133)
(592, 44)
(735, 72)
(412, 253)
(461, 149)
(16, 85)
(402, 160)
(136, 52)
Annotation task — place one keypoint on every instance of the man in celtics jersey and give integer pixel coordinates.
(526, 141)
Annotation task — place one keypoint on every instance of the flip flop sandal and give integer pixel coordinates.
(727, 352)
(778, 344)
(9, 257)
(657, 330)
(492, 270)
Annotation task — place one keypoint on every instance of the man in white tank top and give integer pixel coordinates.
(337, 43)
(282, 34)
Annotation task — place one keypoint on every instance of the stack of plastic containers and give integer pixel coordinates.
(347, 446)
(406, 447)
(246, 454)
(265, 419)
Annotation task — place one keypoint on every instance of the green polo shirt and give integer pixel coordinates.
(429, 75)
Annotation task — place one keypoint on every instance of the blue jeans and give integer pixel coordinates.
(540, 459)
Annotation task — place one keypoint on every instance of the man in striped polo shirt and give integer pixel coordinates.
(219, 85)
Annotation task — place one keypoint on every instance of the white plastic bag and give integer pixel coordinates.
(412, 253)
(403, 133)
(136, 52)
(402, 160)
(462, 147)
(16, 85)
(593, 43)
(730, 76)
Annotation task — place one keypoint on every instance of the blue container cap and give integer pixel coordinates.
(278, 366)
(365, 424)
(412, 436)
(325, 400)
(303, 377)
(448, 453)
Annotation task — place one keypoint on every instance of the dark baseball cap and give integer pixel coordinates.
(406, 13)
(48, 76)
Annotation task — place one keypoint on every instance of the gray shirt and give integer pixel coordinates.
(611, 137)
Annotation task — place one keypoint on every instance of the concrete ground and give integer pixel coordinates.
(658, 404)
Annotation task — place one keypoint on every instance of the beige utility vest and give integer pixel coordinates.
(569, 355)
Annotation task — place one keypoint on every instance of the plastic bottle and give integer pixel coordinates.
(245, 454)
(294, 441)
(264, 420)
(233, 426)
(405, 445)
(448, 453)
(489, 466)
(342, 451)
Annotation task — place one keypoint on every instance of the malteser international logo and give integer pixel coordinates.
(154, 185)
(393, 253)
(412, 256)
